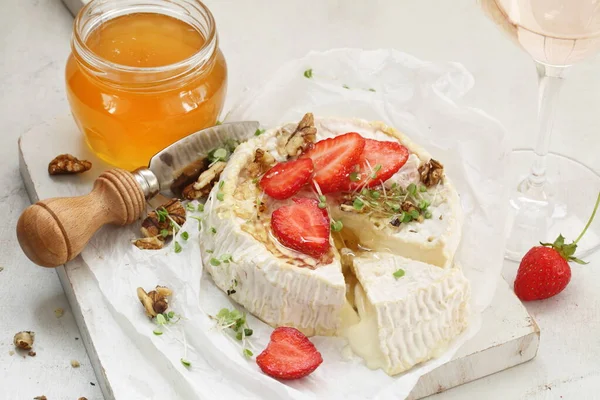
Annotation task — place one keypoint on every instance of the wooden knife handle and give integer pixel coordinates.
(54, 231)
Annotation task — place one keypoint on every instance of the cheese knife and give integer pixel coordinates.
(54, 231)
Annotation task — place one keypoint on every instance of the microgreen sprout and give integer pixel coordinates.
(259, 132)
(354, 176)
(236, 321)
(200, 207)
(220, 196)
(185, 362)
(185, 235)
(162, 214)
(399, 274)
(308, 73)
(177, 247)
(190, 207)
(336, 226)
(213, 230)
(322, 202)
(164, 233)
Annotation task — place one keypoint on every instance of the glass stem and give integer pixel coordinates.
(550, 81)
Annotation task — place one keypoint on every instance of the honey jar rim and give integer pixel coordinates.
(89, 19)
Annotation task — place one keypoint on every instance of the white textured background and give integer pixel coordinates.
(257, 36)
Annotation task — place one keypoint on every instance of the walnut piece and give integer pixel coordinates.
(263, 161)
(304, 135)
(31, 353)
(431, 173)
(189, 175)
(150, 243)
(68, 164)
(24, 340)
(154, 302)
(205, 182)
(155, 224)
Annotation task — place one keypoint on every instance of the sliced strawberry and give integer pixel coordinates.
(289, 355)
(302, 226)
(284, 180)
(334, 158)
(378, 162)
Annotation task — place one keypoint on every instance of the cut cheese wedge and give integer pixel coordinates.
(407, 318)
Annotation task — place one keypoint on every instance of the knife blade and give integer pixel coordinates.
(168, 164)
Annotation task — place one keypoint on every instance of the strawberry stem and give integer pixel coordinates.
(589, 220)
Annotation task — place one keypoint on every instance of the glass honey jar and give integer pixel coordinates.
(143, 74)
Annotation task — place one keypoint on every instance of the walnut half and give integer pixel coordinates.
(262, 162)
(154, 302)
(431, 173)
(205, 182)
(68, 164)
(304, 135)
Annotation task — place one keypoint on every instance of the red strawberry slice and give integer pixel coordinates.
(289, 355)
(303, 227)
(334, 158)
(378, 162)
(284, 180)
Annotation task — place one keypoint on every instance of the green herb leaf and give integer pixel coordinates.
(200, 207)
(406, 217)
(427, 214)
(215, 262)
(248, 353)
(162, 214)
(259, 132)
(423, 204)
(239, 336)
(164, 233)
(185, 235)
(308, 73)
(422, 188)
(157, 332)
(220, 196)
(414, 214)
(399, 274)
(248, 332)
(354, 177)
(160, 319)
(213, 230)
(177, 247)
(171, 314)
(375, 194)
(337, 226)
(190, 207)
(358, 204)
(186, 362)
(218, 123)
(412, 189)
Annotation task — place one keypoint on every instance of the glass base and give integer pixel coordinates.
(564, 207)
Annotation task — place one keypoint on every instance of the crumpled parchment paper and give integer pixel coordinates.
(413, 96)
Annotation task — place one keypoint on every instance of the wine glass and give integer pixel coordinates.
(557, 195)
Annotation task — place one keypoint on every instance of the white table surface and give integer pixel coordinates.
(34, 44)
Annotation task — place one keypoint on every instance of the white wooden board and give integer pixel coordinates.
(509, 336)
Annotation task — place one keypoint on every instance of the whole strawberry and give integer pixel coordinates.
(544, 271)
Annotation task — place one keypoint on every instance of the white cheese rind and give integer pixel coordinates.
(415, 316)
(267, 286)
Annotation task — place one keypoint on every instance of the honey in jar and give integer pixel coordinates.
(138, 81)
